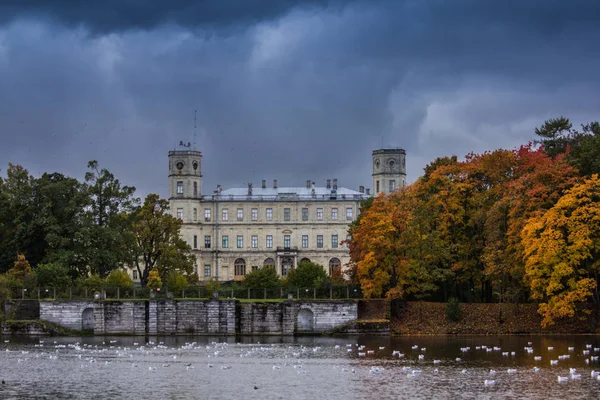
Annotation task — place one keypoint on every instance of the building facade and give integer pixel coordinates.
(234, 231)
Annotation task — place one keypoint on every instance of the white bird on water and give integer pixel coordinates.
(489, 382)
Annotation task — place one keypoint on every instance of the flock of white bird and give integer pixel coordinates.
(106, 352)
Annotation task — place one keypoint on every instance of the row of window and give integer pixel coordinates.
(287, 241)
(287, 213)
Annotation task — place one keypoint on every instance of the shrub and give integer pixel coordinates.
(53, 274)
(453, 310)
(176, 282)
(265, 277)
(307, 275)
(93, 283)
(119, 278)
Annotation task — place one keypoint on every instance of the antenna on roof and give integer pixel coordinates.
(195, 112)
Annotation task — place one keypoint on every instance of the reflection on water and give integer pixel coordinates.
(300, 368)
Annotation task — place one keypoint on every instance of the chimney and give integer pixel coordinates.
(308, 184)
(368, 192)
(313, 191)
(249, 189)
(274, 183)
(361, 189)
(328, 183)
(335, 184)
(218, 189)
(263, 183)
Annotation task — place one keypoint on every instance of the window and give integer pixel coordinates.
(207, 242)
(254, 267)
(240, 267)
(305, 214)
(240, 214)
(207, 270)
(254, 241)
(225, 242)
(225, 214)
(269, 214)
(195, 241)
(348, 239)
(207, 214)
(195, 188)
(305, 241)
(135, 275)
(334, 214)
(319, 241)
(335, 267)
(255, 214)
(392, 186)
(179, 187)
(287, 241)
(180, 213)
(334, 241)
(349, 213)
(319, 214)
(269, 241)
(195, 214)
(377, 186)
(286, 214)
(240, 241)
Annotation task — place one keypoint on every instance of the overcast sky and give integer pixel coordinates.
(284, 89)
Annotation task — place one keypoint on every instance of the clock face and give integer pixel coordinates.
(392, 163)
(179, 165)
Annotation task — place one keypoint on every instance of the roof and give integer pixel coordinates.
(300, 191)
(290, 193)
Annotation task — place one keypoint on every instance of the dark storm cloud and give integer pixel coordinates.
(106, 16)
(286, 90)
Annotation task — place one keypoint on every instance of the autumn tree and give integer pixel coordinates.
(562, 253)
(155, 241)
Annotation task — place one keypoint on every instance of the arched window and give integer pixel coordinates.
(305, 260)
(269, 262)
(335, 267)
(240, 267)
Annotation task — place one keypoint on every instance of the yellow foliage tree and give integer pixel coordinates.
(154, 280)
(562, 252)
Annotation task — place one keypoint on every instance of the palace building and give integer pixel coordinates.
(234, 231)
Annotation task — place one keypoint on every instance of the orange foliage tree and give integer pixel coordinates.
(561, 252)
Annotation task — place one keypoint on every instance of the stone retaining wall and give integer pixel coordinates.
(222, 317)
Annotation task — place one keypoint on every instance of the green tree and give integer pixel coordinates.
(106, 229)
(53, 274)
(265, 277)
(307, 275)
(119, 278)
(17, 215)
(580, 147)
(156, 242)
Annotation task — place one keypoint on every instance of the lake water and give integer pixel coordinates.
(297, 368)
